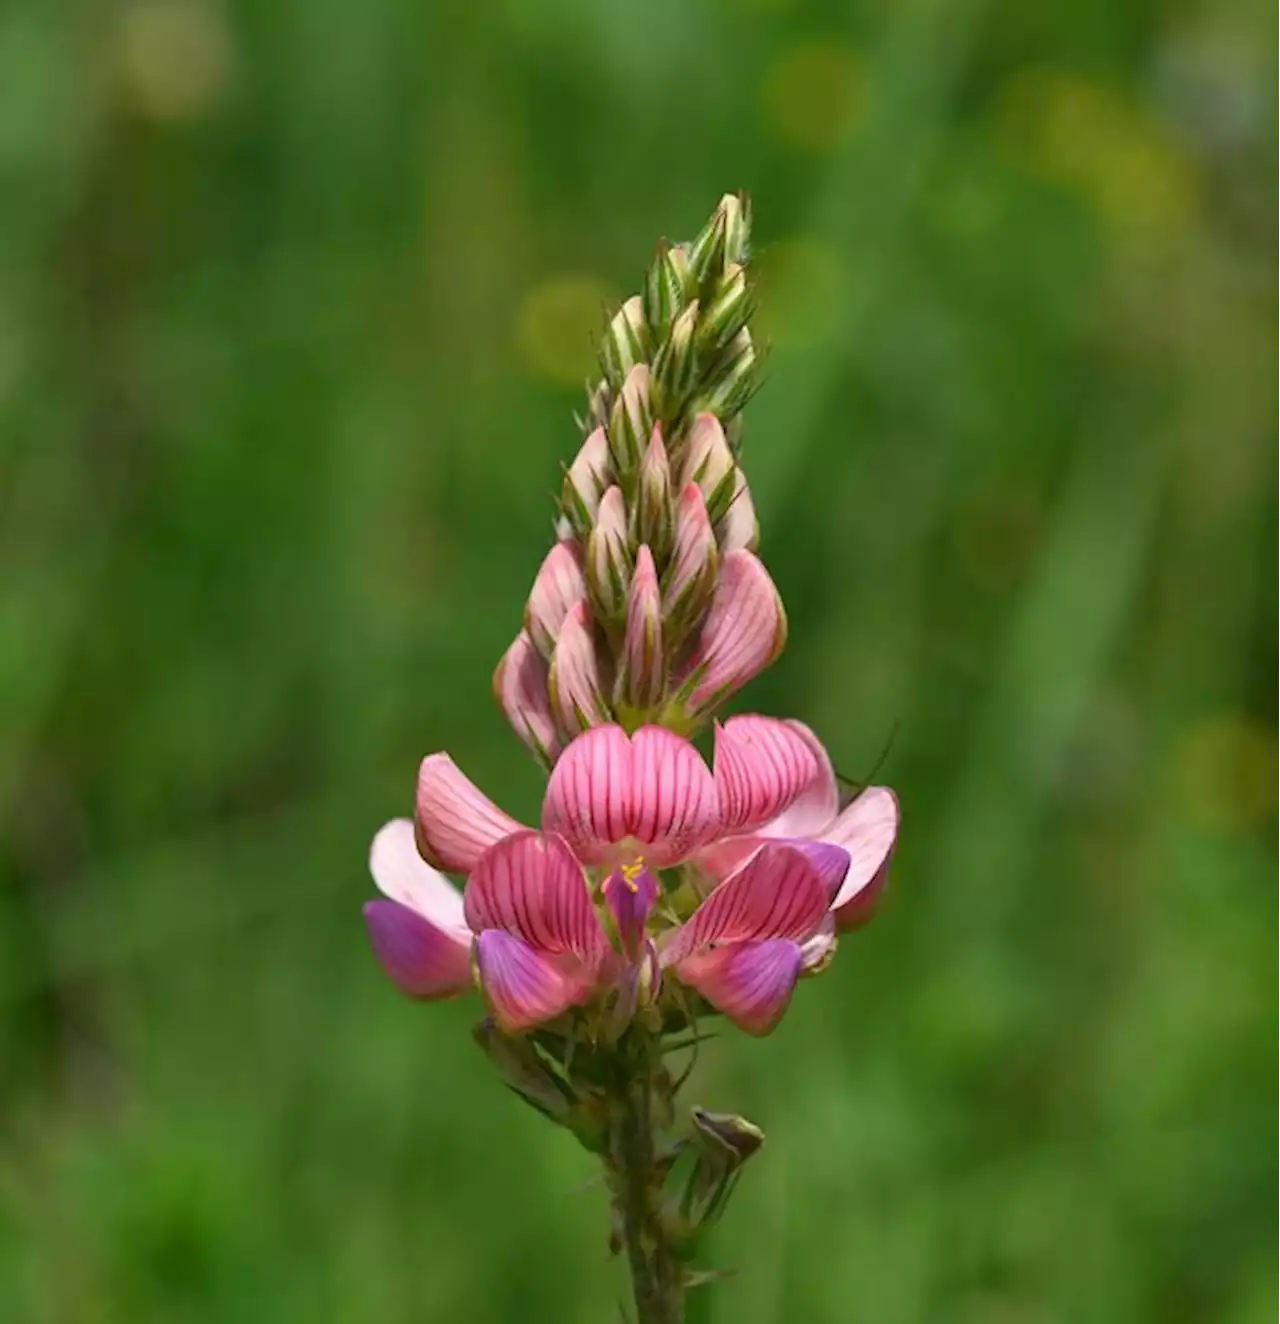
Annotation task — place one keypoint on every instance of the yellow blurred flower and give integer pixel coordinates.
(558, 323)
(1224, 772)
(813, 95)
(803, 284)
(173, 58)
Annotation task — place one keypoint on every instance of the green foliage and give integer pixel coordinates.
(296, 301)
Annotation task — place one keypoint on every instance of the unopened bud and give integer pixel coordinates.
(584, 483)
(745, 629)
(573, 684)
(524, 1070)
(625, 341)
(630, 422)
(727, 312)
(739, 530)
(708, 461)
(668, 287)
(558, 586)
(737, 228)
(725, 1142)
(675, 370)
(643, 681)
(608, 559)
(520, 686)
(691, 575)
(732, 380)
(655, 517)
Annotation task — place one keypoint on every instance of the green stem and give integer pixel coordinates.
(656, 1277)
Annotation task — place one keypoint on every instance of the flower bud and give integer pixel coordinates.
(608, 560)
(524, 1070)
(630, 422)
(745, 629)
(691, 575)
(625, 341)
(655, 518)
(675, 370)
(584, 483)
(739, 530)
(520, 686)
(668, 287)
(724, 1143)
(643, 682)
(723, 241)
(708, 461)
(727, 313)
(573, 684)
(732, 380)
(558, 586)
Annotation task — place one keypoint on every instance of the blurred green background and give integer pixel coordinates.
(296, 300)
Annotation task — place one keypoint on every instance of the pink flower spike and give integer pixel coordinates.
(761, 766)
(558, 586)
(455, 821)
(867, 829)
(751, 983)
(520, 686)
(745, 630)
(709, 461)
(631, 896)
(776, 894)
(586, 479)
(523, 987)
(644, 676)
(531, 886)
(608, 567)
(423, 961)
(691, 575)
(652, 791)
(574, 682)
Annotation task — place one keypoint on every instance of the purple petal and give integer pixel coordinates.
(751, 983)
(520, 686)
(531, 886)
(524, 988)
(404, 876)
(831, 863)
(420, 959)
(776, 894)
(631, 896)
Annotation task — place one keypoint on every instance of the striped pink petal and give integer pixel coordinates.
(422, 960)
(531, 886)
(750, 982)
(524, 988)
(520, 686)
(456, 822)
(745, 630)
(559, 584)
(652, 789)
(404, 876)
(816, 806)
(576, 697)
(761, 766)
(867, 829)
(776, 894)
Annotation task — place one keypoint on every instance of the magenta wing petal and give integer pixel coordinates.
(867, 829)
(419, 958)
(673, 807)
(456, 822)
(777, 894)
(524, 988)
(530, 886)
(751, 983)
(762, 766)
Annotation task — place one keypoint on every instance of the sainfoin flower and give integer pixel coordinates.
(618, 810)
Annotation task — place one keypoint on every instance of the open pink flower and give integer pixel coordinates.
(776, 783)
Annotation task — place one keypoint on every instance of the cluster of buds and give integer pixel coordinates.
(655, 891)
(652, 606)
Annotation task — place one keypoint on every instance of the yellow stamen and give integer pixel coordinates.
(630, 872)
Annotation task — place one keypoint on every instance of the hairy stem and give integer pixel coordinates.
(656, 1278)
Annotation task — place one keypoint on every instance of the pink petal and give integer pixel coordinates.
(403, 875)
(816, 806)
(644, 665)
(456, 822)
(559, 584)
(576, 696)
(867, 829)
(672, 807)
(751, 983)
(745, 630)
(520, 686)
(739, 528)
(761, 766)
(421, 960)
(776, 894)
(653, 789)
(531, 886)
(523, 987)
(854, 914)
(831, 863)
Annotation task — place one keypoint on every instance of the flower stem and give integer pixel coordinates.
(656, 1277)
